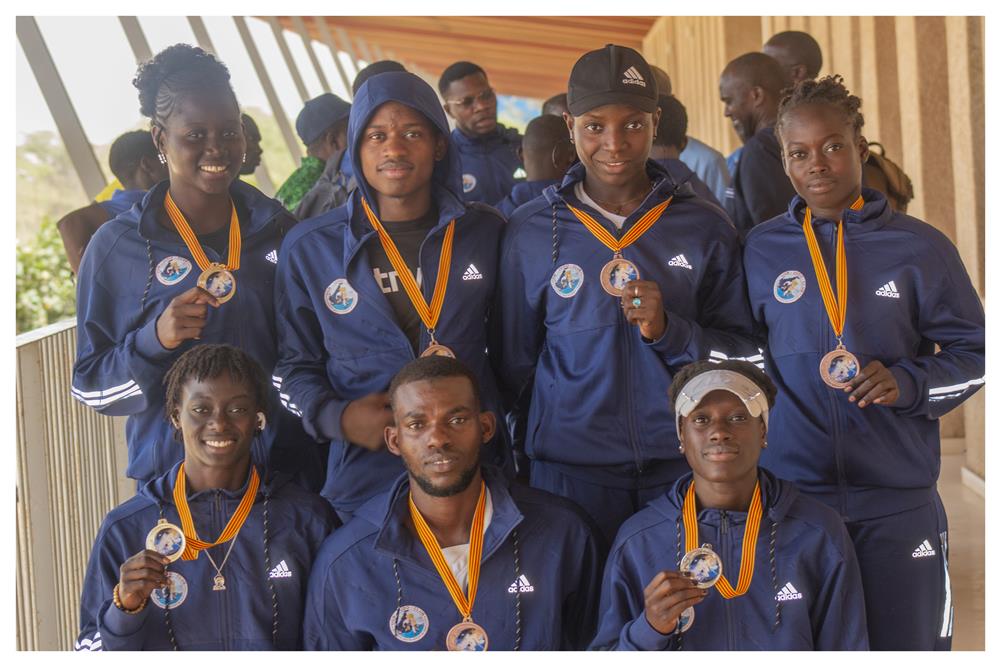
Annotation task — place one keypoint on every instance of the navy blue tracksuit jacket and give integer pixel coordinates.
(553, 576)
(815, 579)
(598, 398)
(239, 618)
(488, 163)
(908, 291)
(121, 201)
(522, 194)
(132, 269)
(340, 339)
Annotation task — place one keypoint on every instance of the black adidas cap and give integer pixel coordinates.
(612, 75)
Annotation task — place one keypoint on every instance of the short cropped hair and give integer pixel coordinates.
(434, 367)
(128, 150)
(673, 126)
(456, 71)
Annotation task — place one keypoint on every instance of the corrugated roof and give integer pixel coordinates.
(529, 56)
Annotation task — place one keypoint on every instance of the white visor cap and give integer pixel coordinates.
(720, 380)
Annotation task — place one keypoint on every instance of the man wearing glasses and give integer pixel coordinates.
(488, 150)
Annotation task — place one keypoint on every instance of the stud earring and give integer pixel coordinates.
(163, 158)
(244, 158)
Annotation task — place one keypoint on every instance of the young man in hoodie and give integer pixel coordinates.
(593, 356)
(239, 583)
(453, 556)
(404, 269)
(789, 577)
(750, 87)
(547, 153)
(862, 387)
(487, 148)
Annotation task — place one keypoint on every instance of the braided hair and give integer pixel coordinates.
(175, 71)
(209, 361)
(829, 90)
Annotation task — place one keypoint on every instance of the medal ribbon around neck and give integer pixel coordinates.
(191, 240)
(836, 307)
(428, 314)
(754, 517)
(616, 245)
(194, 544)
(463, 603)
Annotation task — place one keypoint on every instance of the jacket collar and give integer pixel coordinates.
(484, 142)
(161, 489)
(777, 498)
(248, 199)
(396, 541)
(663, 187)
(360, 230)
(873, 215)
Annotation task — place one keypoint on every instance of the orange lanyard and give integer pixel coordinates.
(836, 306)
(194, 544)
(616, 245)
(754, 517)
(463, 602)
(428, 314)
(191, 240)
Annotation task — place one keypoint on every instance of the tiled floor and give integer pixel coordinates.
(966, 531)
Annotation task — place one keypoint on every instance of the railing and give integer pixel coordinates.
(70, 473)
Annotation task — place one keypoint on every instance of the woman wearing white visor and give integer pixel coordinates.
(782, 566)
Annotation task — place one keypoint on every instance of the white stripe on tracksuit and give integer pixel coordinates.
(107, 396)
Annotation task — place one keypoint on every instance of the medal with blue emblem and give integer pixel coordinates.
(217, 279)
(429, 314)
(620, 271)
(839, 367)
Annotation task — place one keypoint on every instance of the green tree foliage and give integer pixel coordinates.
(47, 185)
(46, 292)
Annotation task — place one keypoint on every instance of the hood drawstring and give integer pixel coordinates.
(555, 237)
(149, 278)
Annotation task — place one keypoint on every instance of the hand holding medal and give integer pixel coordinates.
(875, 384)
(643, 306)
(216, 279)
(184, 318)
(139, 576)
(669, 601)
(703, 565)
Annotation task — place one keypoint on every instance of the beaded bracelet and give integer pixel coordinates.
(118, 603)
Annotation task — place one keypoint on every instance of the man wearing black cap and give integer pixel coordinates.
(487, 148)
(611, 281)
(322, 126)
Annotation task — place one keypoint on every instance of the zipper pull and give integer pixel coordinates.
(725, 522)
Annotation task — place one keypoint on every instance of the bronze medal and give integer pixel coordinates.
(467, 636)
(616, 275)
(166, 539)
(704, 565)
(435, 349)
(218, 281)
(839, 367)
